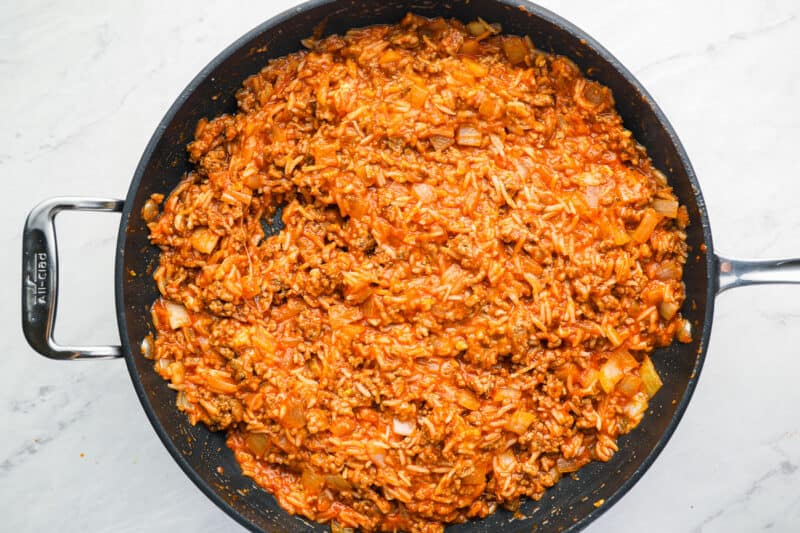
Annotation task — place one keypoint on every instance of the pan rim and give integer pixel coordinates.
(707, 255)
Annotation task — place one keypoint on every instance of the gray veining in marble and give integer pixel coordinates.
(83, 85)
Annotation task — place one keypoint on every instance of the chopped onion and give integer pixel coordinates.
(312, 481)
(594, 93)
(589, 377)
(150, 211)
(467, 400)
(684, 333)
(625, 360)
(183, 402)
(294, 417)
(476, 69)
(520, 421)
(440, 142)
(566, 466)
(668, 208)
(204, 240)
(403, 427)
(424, 192)
(650, 378)
(147, 347)
(377, 454)
(337, 482)
(470, 46)
(468, 136)
(162, 365)
(667, 310)
(634, 410)
(610, 374)
(417, 96)
(491, 107)
(506, 395)
(630, 385)
(389, 56)
(646, 226)
(257, 443)
(177, 315)
(505, 463)
(668, 270)
(477, 28)
(515, 49)
(220, 383)
(593, 195)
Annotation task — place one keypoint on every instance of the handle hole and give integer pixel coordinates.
(86, 243)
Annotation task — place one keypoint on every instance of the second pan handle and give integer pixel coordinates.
(40, 278)
(733, 273)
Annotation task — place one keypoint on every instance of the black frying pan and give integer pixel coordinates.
(569, 506)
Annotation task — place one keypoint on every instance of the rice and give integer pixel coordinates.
(477, 259)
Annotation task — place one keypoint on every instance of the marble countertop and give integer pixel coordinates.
(82, 91)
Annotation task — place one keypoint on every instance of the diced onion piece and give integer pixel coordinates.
(668, 208)
(468, 135)
(440, 142)
(294, 417)
(646, 226)
(254, 180)
(150, 210)
(506, 395)
(377, 454)
(595, 94)
(684, 333)
(147, 347)
(467, 400)
(162, 365)
(668, 270)
(667, 310)
(504, 463)
(520, 421)
(183, 402)
(566, 466)
(403, 427)
(417, 96)
(476, 29)
(470, 46)
(312, 481)
(177, 315)
(650, 378)
(257, 443)
(515, 49)
(204, 240)
(610, 374)
(625, 360)
(475, 68)
(337, 482)
(634, 411)
(589, 377)
(389, 56)
(220, 383)
(490, 107)
(424, 192)
(629, 385)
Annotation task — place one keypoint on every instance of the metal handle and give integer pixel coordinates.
(40, 278)
(733, 273)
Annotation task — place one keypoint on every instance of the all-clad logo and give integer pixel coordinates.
(40, 281)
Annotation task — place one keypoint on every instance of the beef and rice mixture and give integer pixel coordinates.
(476, 260)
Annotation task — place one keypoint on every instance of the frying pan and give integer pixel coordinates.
(569, 506)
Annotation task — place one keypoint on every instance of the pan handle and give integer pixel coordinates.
(40, 278)
(732, 273)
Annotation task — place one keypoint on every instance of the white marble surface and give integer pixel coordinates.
(83, 85)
